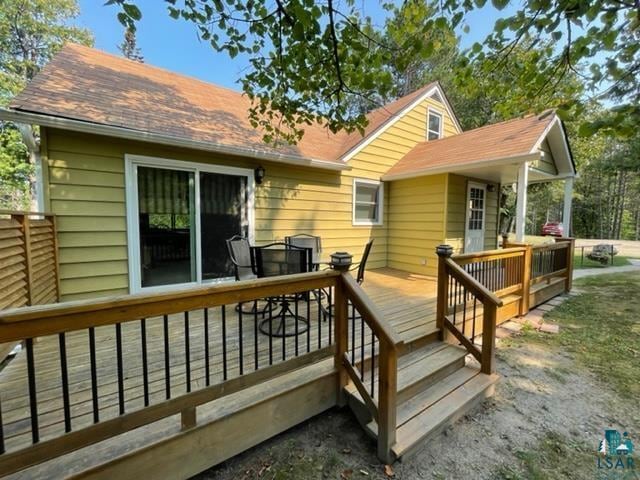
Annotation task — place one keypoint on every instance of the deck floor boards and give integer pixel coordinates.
(407, 301)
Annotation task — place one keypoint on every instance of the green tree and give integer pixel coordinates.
(31, 32)
(129, 46)
(307, 57)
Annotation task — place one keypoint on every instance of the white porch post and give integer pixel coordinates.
(566, 206)
(521, 201)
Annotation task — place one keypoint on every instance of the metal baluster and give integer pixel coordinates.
(270, 332)
(309, 325)
(207, 368)
(145, 366)
(167, 366)
(255, 336)
(120, 368)
(33, 398)
(330, 299)
(94, 375)
(224, 341)
(362, 348)
(295, 312)
(240, 347)
(329, 311)
(353, 335)
(187, 353)
(2, 447)
(283, 327)
(373, 363)
(65, 382)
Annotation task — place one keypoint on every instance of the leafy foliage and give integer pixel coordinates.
(310, 61)
(129, 47)
(31, 32)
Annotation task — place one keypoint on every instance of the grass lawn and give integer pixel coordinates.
(601, 330)
(618, 261)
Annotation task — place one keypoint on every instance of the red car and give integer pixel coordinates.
(554, 229)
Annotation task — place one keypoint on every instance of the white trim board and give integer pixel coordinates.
(395, 118)
(131, 206)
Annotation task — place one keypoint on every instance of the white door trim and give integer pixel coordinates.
(131, 204)
(483, 187)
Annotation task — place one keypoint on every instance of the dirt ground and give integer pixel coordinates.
(545, 421)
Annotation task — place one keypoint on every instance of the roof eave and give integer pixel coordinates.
(20, 116)
(521, 158)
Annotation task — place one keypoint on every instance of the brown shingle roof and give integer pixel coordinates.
(89, 85)
(512, 138)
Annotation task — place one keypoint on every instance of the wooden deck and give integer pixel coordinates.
(407, 302)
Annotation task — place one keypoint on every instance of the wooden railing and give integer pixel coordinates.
(28, 259)
(466, 309)
(101, 368)
(367, 347)
(553, 260)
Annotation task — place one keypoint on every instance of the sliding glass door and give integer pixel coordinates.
(179, 217)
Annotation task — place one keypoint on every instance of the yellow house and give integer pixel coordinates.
(139, 163)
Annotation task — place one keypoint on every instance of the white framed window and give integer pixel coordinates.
(368, 199)
(434, 125)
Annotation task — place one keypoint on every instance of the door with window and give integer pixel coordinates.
(179, 217)
(476, 212)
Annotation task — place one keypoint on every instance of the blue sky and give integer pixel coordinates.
(174, 45)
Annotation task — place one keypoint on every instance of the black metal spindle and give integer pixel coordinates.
(309, 325)
(255, 336)
(33, 397)
(362, 348)
(187, 352)
(373, 363)
(330, 300)
(283, 326)
(120, 366)
(2, 447)
(473, 325)
(224, 341)
(65, 382)
(207, 368)
(270, 332)
(94, 375)
(329, 312)
(240, 341)
(145, 365)
(167, 366)
(353, 335)
(296, 340)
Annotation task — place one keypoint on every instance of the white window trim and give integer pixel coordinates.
(430, 111)
(133, 226)
(380, 203)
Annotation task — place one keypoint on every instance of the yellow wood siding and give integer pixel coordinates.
(416, 223)
(546, 163)
(86, 189)
(457, 213)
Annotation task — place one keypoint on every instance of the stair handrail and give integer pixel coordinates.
(466, 288)
(348, 291)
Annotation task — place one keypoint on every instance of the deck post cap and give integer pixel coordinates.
(444, 250)
(341, 261)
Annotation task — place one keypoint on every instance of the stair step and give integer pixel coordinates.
(426, 423)
(425, 399)
(417, 370)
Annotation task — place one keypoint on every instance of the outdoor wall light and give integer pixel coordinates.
(491, 188)
(259, 173)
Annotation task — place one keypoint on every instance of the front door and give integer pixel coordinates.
(476, 208)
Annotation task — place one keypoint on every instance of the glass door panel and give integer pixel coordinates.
(166, 215)
(223, 214)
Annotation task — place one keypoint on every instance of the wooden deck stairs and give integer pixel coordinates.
(435, 387)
